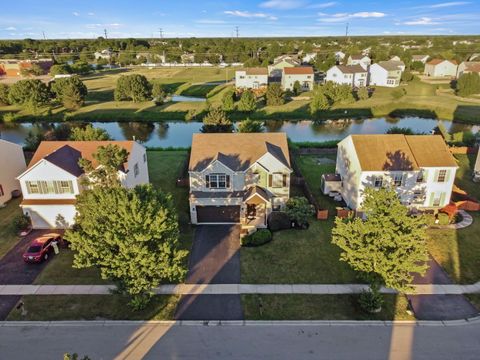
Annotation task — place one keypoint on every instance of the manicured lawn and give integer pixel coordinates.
(463, 178)
(164, 168)
(8, 237)
(474, 299)
(93, 307)
(319, 307)
(297, 256)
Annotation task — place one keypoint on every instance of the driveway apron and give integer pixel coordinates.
(214, 259)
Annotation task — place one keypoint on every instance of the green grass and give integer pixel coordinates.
(297, 256)
(320, 307)
(464, 174)
(474, 299)
(8, 237)
(164, 168)
(92, 307)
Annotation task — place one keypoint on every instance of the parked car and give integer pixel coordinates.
(40, 248)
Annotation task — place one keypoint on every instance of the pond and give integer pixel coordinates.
(182, 98)
(179, 133)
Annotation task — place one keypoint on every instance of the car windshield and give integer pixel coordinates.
(34, 249)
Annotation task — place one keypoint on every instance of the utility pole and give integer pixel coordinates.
(44, 37)
(105, 32)
(346, 34)
(236, 31)
(160, 30)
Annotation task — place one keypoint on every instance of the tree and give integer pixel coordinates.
(81, 68)
(299, 210)
(319, 101)
(110, 159)
(131, 235)
(228, 100)
(37, 70)
(297, 88)
(468, 84)
(70, 91)
(247, 102)
(400, 130)
(159, 91)
(362, 93)
(4, 90)
(388, 246)
(407, 76)
(133, 87)
(250, 126)
(275, 95)
(60, 69)
(30, 93)
(216, 120)
(89, 133)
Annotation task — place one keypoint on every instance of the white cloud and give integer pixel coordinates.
(91, 14)
(75, 13)
(447, 4)
(247, 14)
(210, 21)
(323, 5)
(10, 28)
(339, 17)
(282, 4)
(421, 21)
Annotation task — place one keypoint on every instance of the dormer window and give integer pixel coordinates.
(217, 181)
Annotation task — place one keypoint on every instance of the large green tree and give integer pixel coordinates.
(29, 93)
(70, 91)
(89, 133)
(133, 87)
(275, 95)
(468, 84)
(228, 100)
(250, 126)
(319, 101)
(131, 236)
(216, 120)
(4, 90)
(389, 246)
(247, 102)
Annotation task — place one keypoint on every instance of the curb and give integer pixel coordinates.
(231, 323)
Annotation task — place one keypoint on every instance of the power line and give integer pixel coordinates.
(105, 32)
(160, 30)
(236, 31)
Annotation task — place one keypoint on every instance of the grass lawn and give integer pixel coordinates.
(164, 168)
(463, 178)
(93, 307)
(319, 307)
(474, 299)
(8, 237)
(297, 256)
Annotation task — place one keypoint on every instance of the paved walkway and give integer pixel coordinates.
(467, 220)
(235, 289)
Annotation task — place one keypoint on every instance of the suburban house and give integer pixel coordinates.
(251, 78)
(362, 60)
(13, 67)
(476, 169)
(309, 58)
(105, 54)
(419, 167)
(441, 68)
(467, 67)
(238, 178)
(303, 74)
(280, 63)
(420, 58)
(385, 73)
(53, 178)
(12, 164)
(353, 75)
(339, 56)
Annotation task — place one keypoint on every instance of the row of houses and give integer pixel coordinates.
(450, 68)
(257, 78)
(14, 67)
(236, 177)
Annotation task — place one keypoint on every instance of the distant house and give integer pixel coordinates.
(353, 75)
(14, 67)
(105, 54)
(303, 74)
(281, 62)
(251, 78)
(53, 178)
(309, 57)
(467, 67)
(474, 56)
(385, 73)
(395, 58)
(420, 58)
(238, 178)
(420, 168)
(441, 68)
(339, 56)
(12, 164)
(187, 58)
(151, 58)
(362, 60)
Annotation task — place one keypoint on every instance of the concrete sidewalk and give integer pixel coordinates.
(231, 289)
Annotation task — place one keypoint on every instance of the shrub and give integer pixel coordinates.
(275, 95)
(133, 87)
(371, 300)
(362, 93)
(247, 102)
(250, 126)
(297, 88)
(21, 222)
(258, 238)
(4, 95)
(468, 84)
(10, 117)
(279, 220)
(299, 210)
(228, 100)
(71, 92)
(400, 130)
(29, 93)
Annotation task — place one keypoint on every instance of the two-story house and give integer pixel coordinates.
(53, 178)
(303, 74)
(419, 167)
(353, 75)
(251, 78)
(238, 178)
(386, 73)
(441, 68)
(12, 164)
(281, 62)
(359, 59)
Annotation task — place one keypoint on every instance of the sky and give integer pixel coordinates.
(145, 18)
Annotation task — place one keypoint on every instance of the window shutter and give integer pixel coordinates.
(207, 181)
(27, 184)
(447, 176)
(404, 179)
(70, 186)
(436, 175)
(270, 180)
(432, 196)
(227, 180)
(442, 198)
(284, 180)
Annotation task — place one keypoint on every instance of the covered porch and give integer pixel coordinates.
(256, 207)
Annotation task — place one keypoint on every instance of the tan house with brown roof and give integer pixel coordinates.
(238, 178)
(419, 167)
(52, 180)
(467, 67)
(441, 68)
(251, 78)
(282, 62)
(303, 74)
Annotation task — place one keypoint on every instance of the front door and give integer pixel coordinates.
(251, 211)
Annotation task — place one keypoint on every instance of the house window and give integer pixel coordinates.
(32, 187)
(397, 179)
(218, 181)
(378, 181)
(420, 177)
(136, 171)
(278, 180)
(242, 77)
(49, 187)
(64, 187)
(1, 191)
(442, 175)
(418, 196)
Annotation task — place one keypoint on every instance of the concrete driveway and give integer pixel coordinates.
(214, 259)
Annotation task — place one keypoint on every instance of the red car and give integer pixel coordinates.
(40, 248)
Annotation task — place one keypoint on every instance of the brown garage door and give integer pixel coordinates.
(218, 214)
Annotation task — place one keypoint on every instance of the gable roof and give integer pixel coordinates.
(391, 65)
(472, 66)
(237, 151)
(256, 71)
(401, 152)
(65, 154)
(300, 70)
(358, 56)
(419, 57)
(351, 69)
(439, 61)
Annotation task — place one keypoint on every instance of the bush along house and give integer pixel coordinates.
(238, 178)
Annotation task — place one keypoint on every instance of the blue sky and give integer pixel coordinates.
(143, 18)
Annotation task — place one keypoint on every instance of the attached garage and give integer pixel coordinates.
(218, 214)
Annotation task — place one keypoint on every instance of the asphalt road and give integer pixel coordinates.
(133, 341)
